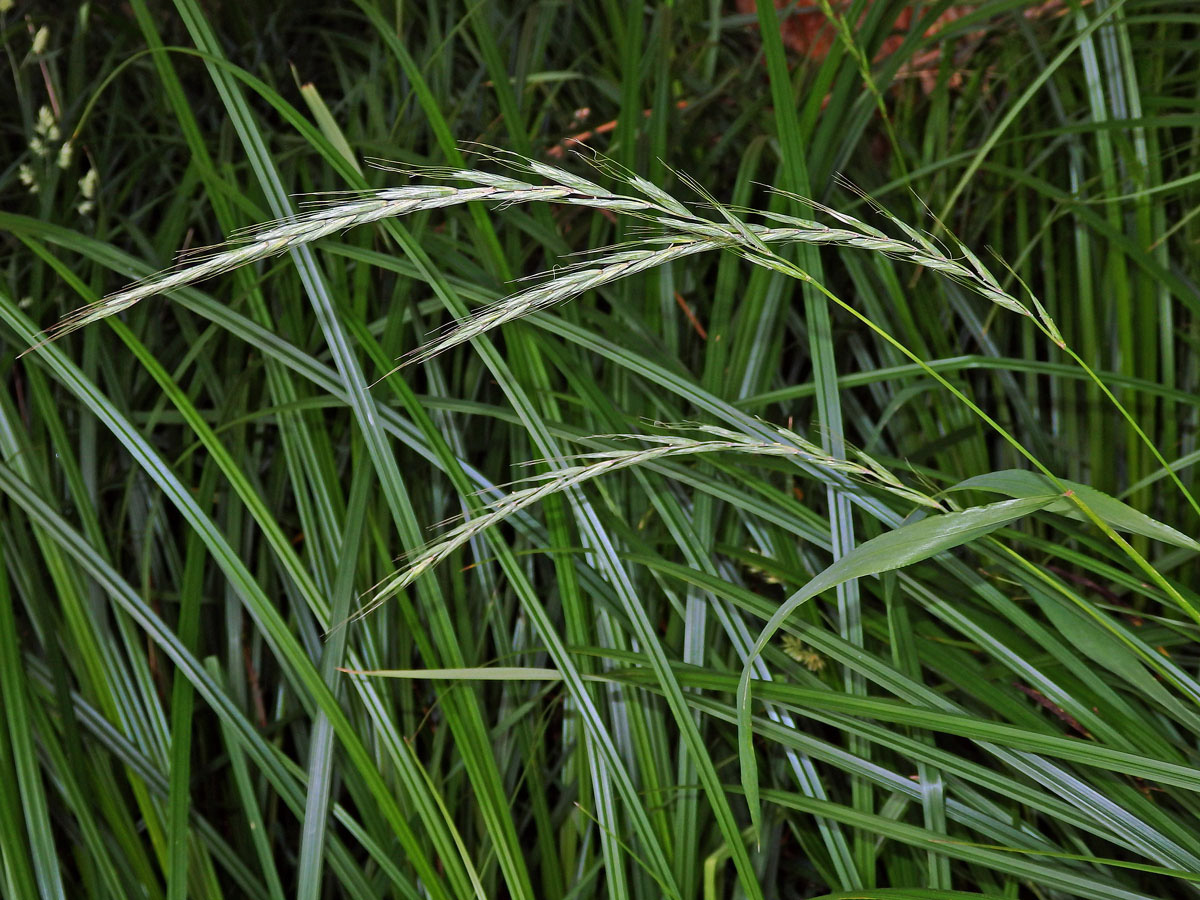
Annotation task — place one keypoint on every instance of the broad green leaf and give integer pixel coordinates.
(1121, 516)
(895, 549)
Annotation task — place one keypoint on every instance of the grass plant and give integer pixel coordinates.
(847, 563)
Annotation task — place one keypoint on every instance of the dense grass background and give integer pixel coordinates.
(194, 494)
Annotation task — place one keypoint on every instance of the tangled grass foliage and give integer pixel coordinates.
(674, 230)
(671, 231)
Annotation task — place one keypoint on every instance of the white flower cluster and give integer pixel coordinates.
(46, 142)
(45, 133)
(87, 190)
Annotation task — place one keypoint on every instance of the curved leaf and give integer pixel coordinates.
(895, 549)
(1121, 516)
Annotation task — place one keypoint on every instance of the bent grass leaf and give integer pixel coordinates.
(895, 549)
(1121, 516)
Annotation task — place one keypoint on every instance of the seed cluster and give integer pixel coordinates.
(679, 232)
(594, 465)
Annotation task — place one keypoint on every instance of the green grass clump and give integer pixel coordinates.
(846, 559)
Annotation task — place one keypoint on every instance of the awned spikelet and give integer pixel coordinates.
(675, 231)
(674, 445)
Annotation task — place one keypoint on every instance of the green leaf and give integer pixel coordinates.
(895, 549)
(1092, 640)
(493, 673)
(1121, 516)
(326, 122)
(23, 753)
